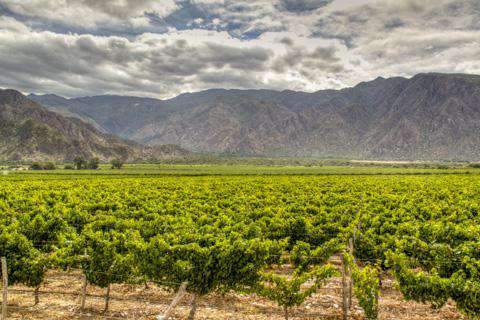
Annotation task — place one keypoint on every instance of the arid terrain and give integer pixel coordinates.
(139, 302)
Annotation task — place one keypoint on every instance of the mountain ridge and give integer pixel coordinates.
(30, 132)
(430, 116)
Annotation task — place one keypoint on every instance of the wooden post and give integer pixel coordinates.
(37, 295)
(191, 316)
(180, 293)
(345, 306)
(107, 299)
(5, 288)
(350, 278)
(83, 295)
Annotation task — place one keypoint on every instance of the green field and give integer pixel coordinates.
(224, 228)
(210, 170)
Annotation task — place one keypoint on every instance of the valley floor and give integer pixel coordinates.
(152, 170)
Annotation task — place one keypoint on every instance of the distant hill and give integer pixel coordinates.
(30, 132)
(427, 117)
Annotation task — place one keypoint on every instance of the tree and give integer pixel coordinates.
(79, 162)
(43, 166)
(93, 163)
(36, 166)
(49, 166)
(117, 163)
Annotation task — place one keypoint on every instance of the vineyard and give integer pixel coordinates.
(278, 237)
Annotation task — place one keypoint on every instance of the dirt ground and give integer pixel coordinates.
(139, 302)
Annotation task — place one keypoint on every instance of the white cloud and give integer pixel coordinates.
(410, 51)
(12, 25)
(92, 13)
(159, 65)
(329, 46)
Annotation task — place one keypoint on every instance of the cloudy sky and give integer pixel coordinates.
(161, 48)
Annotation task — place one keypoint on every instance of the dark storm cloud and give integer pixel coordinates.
(246, 59)
(287, 41)
(237, 79)
(321, 59)
(303, 5)
(394, 23)
(182, 59)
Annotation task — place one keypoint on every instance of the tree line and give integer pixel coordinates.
(79, 163)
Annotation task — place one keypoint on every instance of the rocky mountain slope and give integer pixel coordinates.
(430, 117)
(30, 132)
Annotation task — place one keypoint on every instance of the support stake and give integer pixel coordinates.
(180, 293)
(107, 299)
(193, 310)
(349, 274)
(345, 306)
(84, 292)
(5, 288)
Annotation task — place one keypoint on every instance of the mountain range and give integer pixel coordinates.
(30, 132)
(427, 117)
